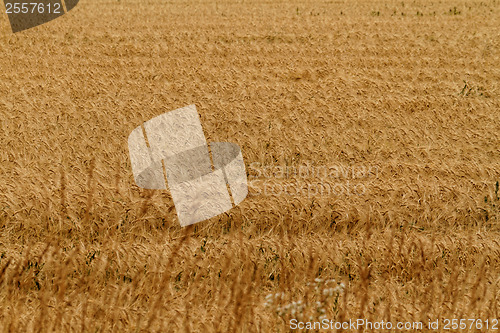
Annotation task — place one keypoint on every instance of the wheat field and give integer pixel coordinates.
(370, 134)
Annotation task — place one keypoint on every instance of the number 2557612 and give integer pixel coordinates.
(33, 8)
